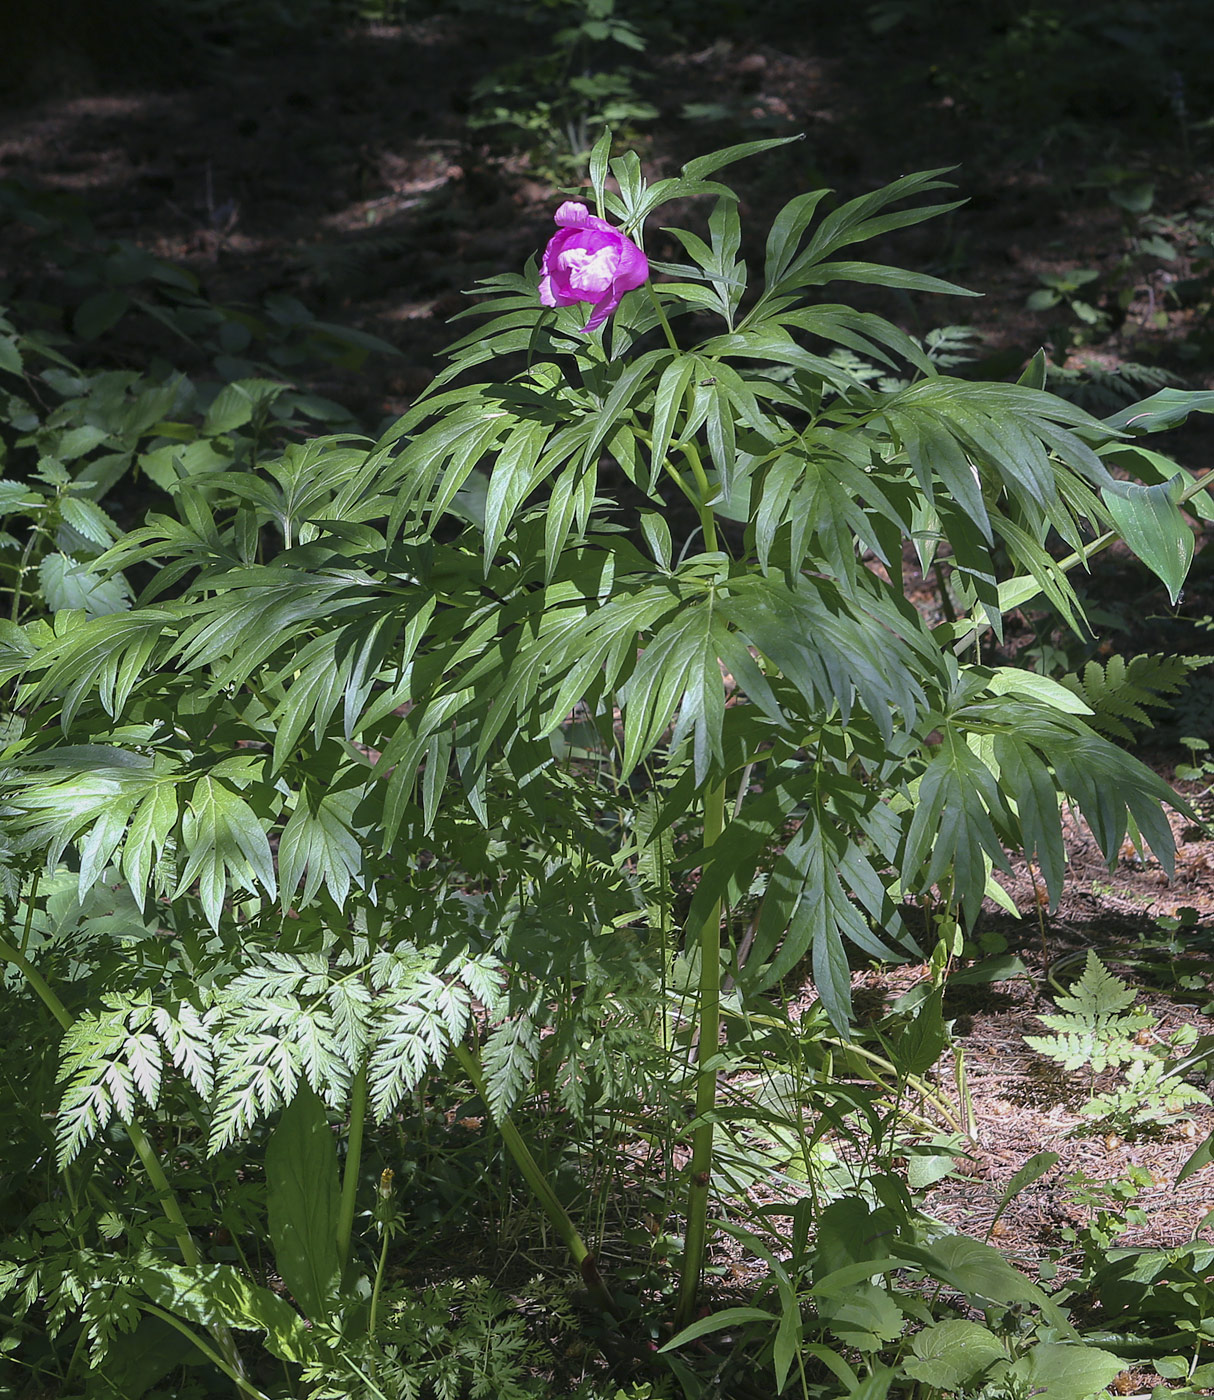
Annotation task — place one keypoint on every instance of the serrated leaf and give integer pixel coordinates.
(68, 583)
(953, 1354)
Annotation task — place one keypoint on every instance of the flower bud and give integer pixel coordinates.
(588, 260)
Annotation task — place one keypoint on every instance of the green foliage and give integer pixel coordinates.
(1120, 692)
(1159, 1300)
(1098, 1026)
(573, 79)
(1095, 1025)
(402, 777)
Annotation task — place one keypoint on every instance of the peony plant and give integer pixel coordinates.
(401, 788)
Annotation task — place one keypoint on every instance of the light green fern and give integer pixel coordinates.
(1094, 1025)
(1149, 1094)
(1120, 692)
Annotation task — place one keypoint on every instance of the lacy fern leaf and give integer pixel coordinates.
(1094, 1024)
(1120, 692)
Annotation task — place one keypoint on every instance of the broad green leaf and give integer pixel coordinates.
(1063, 1371)
(953, 1354)
(68, 583)
(1152, 467)
(10, 355)
(303, 1197)
(1150, 522)
(982, 1274)
(89, 520)
(923, 1041)
(97, 313)
(219, 1294)
(1011, 680)
(236, 403)
(77, 441)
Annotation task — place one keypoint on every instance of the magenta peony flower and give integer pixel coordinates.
(588, 260)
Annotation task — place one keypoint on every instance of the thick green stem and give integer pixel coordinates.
(708, 939)
(37, 982)
(542, 1188)
(147, 1156)
(657, 306)
(708, 521)
(354, 1156)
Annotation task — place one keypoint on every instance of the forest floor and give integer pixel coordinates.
(344, 172)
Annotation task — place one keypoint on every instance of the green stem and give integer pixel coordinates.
(245, 1386)
(354, 1153)
(373, 1321)
(708, 521)
(544, 1194)
(29, 911)
(914, 1081)
(657, 306)
(708, 938)
(143, 1149)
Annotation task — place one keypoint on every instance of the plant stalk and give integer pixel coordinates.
(708, 521)
(657, 306)
(243, 1384)
(708, 1033)
(544, 1194)
(354, 1154)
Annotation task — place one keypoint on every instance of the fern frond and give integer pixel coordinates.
(187, 1038)
(1120, 692)
(110, 1064)
(1094, 1024)
(509, 1058)
(258, 1074)
(1103, 391)
(410, 1038)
